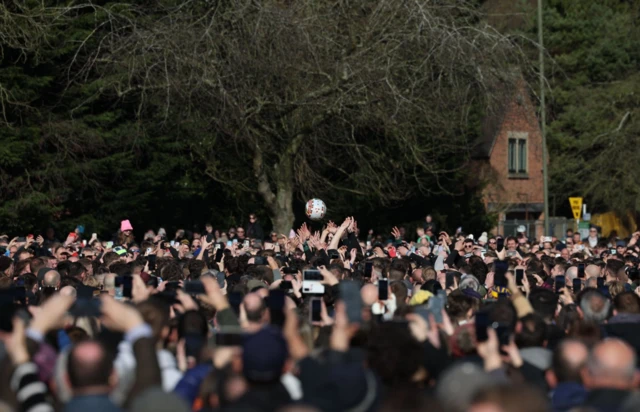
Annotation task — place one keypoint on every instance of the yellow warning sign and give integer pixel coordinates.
(576, 206)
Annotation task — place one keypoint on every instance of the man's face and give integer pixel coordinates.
(556, 271)
(52, 263)
(576, 238)
(196, 244)
(232, 232)
(253, 218)
(511, 244)
(468, 247)
(621, 250)
(565, 254)
(428, 219)
(209, 228)
(12, 251)
(240, 233)
(593, 232)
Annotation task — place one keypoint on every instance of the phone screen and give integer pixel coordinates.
(581, 270)
(482, 323)
(86, 307)
(316, 310)
(383, 289)
(519, 276)
(449, 280)
(275, 303)
(504, 334)
(577, 285)
(350, 294)
(559, 283)
(286, 285)
(312, 275)
(501, 268)
(368, 269)
(234, 338)
(194, 287)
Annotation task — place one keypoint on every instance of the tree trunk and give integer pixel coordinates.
(282, 215)
(280, 203)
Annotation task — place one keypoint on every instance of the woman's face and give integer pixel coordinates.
(127, 233)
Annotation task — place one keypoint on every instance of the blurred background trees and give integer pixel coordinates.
(180, 112)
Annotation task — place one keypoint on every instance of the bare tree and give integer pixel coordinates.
(23, 30)
(308, 98)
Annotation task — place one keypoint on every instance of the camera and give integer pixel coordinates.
(633, 272)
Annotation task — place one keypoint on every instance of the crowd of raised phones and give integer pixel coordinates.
(329, 320)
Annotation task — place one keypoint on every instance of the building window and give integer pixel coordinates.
(517, 154)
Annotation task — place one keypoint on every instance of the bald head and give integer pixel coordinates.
(569, 357)
(90, 368)
(255, 308)
(51, 279)
(611, 364)
(592, 271)
(369, 294)
(68, 291)
(570, 274)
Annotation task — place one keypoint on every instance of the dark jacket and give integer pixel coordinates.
(625, 326)
(606, 400)
(262, 398)
(567, 395)
(254, 231)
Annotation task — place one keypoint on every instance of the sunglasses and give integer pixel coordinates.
(492, 243)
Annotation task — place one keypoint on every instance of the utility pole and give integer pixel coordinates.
(542, 123)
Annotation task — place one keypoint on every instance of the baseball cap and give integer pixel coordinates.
(264, 354)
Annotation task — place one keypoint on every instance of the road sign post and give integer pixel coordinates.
(576, 207)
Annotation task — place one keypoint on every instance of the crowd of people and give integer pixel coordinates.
(330, 320)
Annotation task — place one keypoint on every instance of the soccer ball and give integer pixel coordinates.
(315, 209)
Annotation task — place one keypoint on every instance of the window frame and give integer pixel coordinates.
(517, 138)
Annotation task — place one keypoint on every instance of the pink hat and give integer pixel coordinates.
(125, 225)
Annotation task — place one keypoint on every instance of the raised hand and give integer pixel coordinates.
(353, 227)
(395, 232)
(118, 316)
(346, 223)
(331, 227)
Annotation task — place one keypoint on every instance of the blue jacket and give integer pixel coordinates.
(93, 403)
(568, 395)
(189, 386)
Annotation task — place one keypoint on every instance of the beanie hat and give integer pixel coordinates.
(125, 225)
(420, 297)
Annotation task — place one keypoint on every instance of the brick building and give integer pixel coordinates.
(507, 163)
